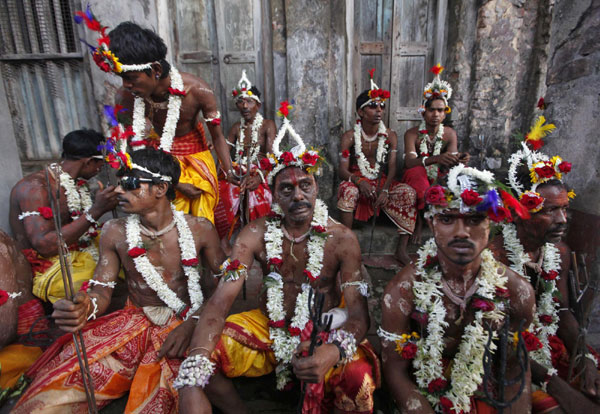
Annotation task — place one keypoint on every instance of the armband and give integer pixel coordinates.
(233, 270)
(216, 120)
(361, 285)
(423, 161)
(89, 217)
(110, 285)
(195, 371)
(345, 342)
(92, 315)
(26, 214)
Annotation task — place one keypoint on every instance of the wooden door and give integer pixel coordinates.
(216, 40)
(401, 39)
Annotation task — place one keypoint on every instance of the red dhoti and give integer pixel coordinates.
(122, 352)
(227, 212)
(416, 177)
(400, 207)
(245, 350)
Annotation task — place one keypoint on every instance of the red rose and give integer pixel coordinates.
(541, 104)
(93, 234)
(283, 108)
(531, 201)
(273, 215)
(3, 297)
(80, 182)
(265, 164)
(275, 262)
(294, 331)
(345, 153)
(84, 286)
(310, 159)
(470, 197)
(436, 385)
(136, 251)
(431, 261)
(177, 92)
(215, 122)
(546, 319)
(435, 196)
(233, 265)
(234, 92)
(502, 293)
(46, 212)
(309, 275)
(555, 299)
(564, 167)
(385, 95)
(190, 262)
(447, 405)
(409, 351)
(532, 343)
(75, 213)
(545, 172)
(277, 324)
(423, 131)
(319, 229)
(483, 304)
(287, 157)
(500, 215)
(551, 275)
(535, 145)
(420, 317)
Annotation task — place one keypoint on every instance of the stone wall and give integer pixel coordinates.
(573, 99)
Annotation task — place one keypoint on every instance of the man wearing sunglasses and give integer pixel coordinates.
(31, 218)
(135, 349)
(366, 189)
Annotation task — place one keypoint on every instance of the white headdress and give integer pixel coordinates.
(437, 88)
(244, 89)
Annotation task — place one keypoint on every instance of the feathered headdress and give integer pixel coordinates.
(102, 55)
(309, 160)
(375, 93)
(437, 89)
(245, 89)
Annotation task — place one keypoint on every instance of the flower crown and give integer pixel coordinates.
(470, 190)
(437, 88)
(115, 147)
(376, 94)
(244, 89)
(298, 156)
(541, 167)
(102, 55)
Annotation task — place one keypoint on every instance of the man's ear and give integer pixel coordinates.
(161, 189)
(157, 68)
(360, 112)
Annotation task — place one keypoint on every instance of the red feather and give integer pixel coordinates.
(512, 202)
(371, 72)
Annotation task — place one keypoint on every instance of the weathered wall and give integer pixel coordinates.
(496, 63)
(573, 100)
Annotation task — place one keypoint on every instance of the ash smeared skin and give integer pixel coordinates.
(404, 306)
(413, 404)
(387, 300)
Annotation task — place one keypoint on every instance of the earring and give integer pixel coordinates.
(156, 76)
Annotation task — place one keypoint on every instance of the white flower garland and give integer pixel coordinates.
(382, 148)
(240, 156)
(545, 304)
(284, 343)
(515, 160)
(153, 278)
(467, 369)
(173, 111)
(432, 170)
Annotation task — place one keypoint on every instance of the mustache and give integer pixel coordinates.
(557, 228)
(461, 243)
(299, 204)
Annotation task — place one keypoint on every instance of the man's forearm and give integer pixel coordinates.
(222, 151)
(71, 232)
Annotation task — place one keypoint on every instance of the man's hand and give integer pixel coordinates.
(177, 341)
(464, 158)
(250, 182)
(447, 160)
(590, 382)
(313, 368)
(232, 178)
(189, 191)
(72, 316)
(366, 189)
(382, 199)
(105, 200)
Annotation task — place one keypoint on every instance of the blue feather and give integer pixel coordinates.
(492, 200)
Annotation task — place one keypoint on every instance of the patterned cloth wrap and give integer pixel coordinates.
(122, 352)
(245, 350)
(400, 207)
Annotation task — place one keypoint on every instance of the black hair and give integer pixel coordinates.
(156, 161)
(81, 143)
(429, 101)
(255, 91)
(523, 176)
(134, 45)
(362, 98)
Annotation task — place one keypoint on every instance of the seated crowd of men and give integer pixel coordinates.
(189, 235)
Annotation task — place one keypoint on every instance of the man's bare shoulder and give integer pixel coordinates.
(254, 230)
(196, 84)
(564, 250)
(340, 233)
(199, 224)
(411, 133)
(449, 132)
(268, 124)
(114, 228)
(496, 246)
(30, 185)
(402, 283)
(517, 284)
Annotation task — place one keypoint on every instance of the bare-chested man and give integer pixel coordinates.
(365, 152)
(299, 248)
(31, 217)
(534, 249)
(431, 147)
(19, 310)
(173, 102)
(136, 349)
(435, 312)
(251, 140)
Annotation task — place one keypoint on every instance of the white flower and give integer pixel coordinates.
(363, 163)
(240, 156)
(432, 170)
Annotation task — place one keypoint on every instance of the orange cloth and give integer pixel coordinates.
(245, 350)
(122, 349)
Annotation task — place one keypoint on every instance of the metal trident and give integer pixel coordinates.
(500, 382)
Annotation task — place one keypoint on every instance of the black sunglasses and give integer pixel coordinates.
(375, 104)
(132, 183)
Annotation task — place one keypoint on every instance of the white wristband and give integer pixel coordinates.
(89, 217)
(423, 161)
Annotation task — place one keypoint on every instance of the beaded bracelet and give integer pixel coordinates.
(195, 371)
(345, 341)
